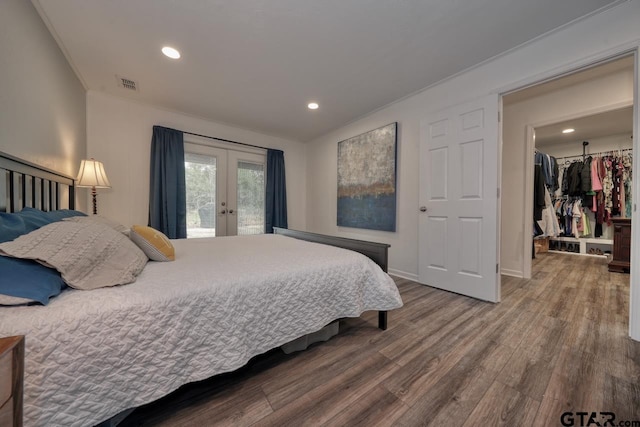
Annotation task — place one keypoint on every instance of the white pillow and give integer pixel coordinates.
(102, 220)
(87, 254)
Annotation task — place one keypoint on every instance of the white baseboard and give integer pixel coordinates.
(403, 274)
(512, 273)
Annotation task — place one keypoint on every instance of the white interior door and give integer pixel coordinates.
(458, 223)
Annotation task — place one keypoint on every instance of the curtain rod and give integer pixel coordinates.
(225, 140)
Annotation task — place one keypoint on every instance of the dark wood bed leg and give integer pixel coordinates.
(382, 320)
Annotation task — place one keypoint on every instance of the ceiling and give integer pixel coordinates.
(616, 122)
(256, 64)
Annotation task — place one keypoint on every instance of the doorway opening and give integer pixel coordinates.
(563, 224)
(593, 97)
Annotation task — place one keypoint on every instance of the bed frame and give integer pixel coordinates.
(25, 184)
(378, 252)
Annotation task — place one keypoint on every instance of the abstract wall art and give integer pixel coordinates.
(367, 180)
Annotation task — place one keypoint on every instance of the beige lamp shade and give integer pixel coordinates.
(92, 174)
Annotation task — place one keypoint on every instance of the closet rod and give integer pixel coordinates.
(225, 140)
(597, 154)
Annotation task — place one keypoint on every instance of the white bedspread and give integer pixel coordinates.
(92, 354)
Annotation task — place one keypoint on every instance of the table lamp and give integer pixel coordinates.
(92, 175)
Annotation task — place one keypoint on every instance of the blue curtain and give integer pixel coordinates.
(276, 197)
(167, 195)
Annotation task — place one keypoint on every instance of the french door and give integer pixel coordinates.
(225, 191)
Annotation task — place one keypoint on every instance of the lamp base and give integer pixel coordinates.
(95, 202)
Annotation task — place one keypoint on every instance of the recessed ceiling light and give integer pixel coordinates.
(568, 130)
(313, 105)
(171, 52)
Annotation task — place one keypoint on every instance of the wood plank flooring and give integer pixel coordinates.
(558, 342)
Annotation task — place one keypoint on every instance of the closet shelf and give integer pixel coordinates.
(583, 239)
(579, 254)
(581, 245)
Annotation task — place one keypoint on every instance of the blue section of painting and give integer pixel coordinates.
(370, 212)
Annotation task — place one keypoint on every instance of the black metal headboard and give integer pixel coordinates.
(23, 183)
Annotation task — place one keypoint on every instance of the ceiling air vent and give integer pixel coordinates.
(127, 83)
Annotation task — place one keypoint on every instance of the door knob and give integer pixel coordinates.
(423, 208)
(223, 211)
(231, 211)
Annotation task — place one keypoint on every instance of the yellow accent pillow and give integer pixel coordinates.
(153, 243)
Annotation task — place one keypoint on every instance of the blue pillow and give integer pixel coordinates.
(51, 216)
(14, 225)
(33, 219)
(27, 279)
(11, 227)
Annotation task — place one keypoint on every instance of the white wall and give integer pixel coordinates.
(573, 45)
(599, 94)
(119, 134)
(42, 102)
(322, 189)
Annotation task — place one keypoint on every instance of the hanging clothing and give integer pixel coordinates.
(550, 170)
(585, 175)
(586, 193)
(575, 174)
(616, 178)
(586, 225)
(561, 172)
(576, 215)
(627, 161)
(596, 185)
(628, 205)
(538, 192)
(607, 186)
(549, 222)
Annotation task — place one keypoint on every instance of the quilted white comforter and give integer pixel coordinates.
(92, 354)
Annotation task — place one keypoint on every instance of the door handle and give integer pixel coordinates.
(230, 211)
(423, 208)
(223, 211)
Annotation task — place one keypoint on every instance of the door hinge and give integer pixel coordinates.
(634, 207)
(497, 269)
(498, 116)
(498, 193)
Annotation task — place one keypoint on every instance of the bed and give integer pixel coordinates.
(89, 355)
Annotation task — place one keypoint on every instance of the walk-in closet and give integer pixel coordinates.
(583, 171)
(567, 172)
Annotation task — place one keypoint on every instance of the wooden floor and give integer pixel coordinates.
(555, 343)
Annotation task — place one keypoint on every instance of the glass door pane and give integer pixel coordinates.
(200, 179)
(246, 193)
(250, 203)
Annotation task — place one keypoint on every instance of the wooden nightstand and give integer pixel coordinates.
(621, 261)
(11, 380)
